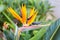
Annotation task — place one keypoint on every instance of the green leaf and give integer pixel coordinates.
(39, 34)
(8, 34)
(52, 30)
(57, 35)
(14, 26)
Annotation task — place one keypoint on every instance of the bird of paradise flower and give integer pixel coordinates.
(24, 20)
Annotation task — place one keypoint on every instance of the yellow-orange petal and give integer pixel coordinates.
(24, 15)
(31, 12)
(31, 20)
(15, 14)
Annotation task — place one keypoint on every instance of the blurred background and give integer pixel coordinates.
(56, 3)
(46, 26)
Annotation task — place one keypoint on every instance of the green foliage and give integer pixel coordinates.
(57, 35)
(9, 35)
(9, 20)
(39, 34)
(52, 30)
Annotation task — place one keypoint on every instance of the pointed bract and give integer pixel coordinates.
(15, 14)
(31, 12)
(23, 11)
(31, 20)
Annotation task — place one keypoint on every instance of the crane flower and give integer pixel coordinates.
(24, 20)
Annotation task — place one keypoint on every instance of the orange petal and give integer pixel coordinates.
(31, 12)
(31, 20)
(23, 11)
(15, 14)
